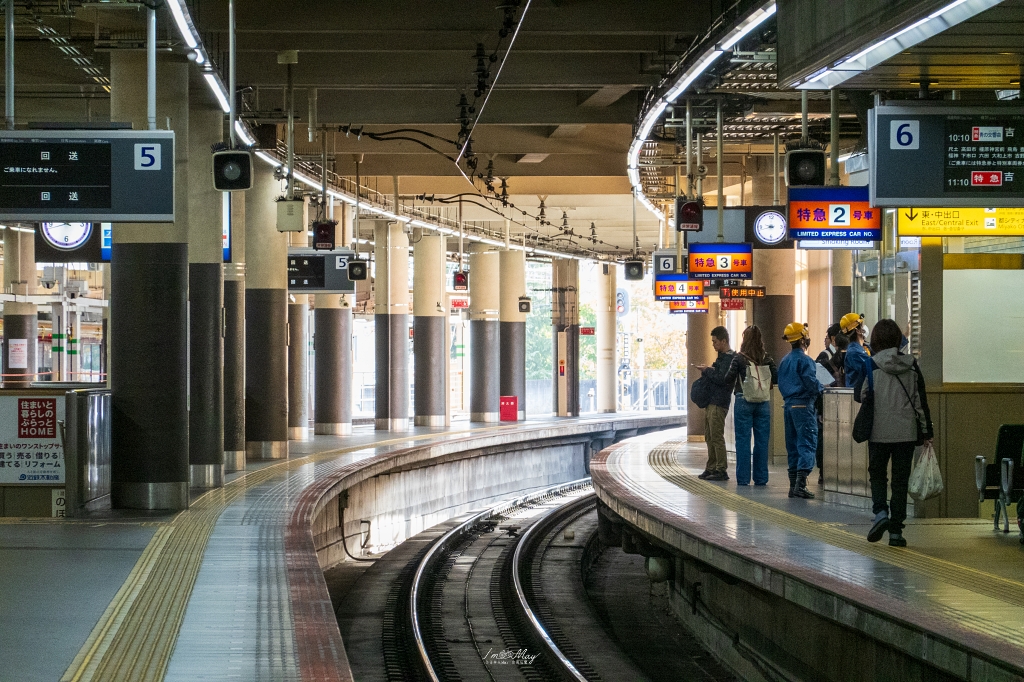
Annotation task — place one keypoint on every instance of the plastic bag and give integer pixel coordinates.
(926, 478)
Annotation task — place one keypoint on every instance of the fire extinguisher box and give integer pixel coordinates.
(509, 408)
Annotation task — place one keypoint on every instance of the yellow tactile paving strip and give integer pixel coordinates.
(135, 636)
(663, 460)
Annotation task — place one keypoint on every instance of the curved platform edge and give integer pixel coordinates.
(937, 642)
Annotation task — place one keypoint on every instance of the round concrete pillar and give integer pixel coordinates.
(148, 311)
(298, 367)
(391, 325)
(484, 340)
(332, 370)
(234, 341)
(607, 319)
(206, 302)
(430, 317)
(266, 315)
(775, 269)
(21, 319)
(513, 327)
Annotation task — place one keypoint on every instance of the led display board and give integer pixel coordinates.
(833, 213)
(721, 261)
(87, 175)
(947, 156)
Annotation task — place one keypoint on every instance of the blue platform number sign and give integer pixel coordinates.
(147, 157)
(904, 134)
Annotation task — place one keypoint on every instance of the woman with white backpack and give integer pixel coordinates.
(753, 373)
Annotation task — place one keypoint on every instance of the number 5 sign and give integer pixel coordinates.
(147, 157)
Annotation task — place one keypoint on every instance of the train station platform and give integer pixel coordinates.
(791, 587)
(233, 587)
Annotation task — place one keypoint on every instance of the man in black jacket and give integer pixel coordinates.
(716, 412)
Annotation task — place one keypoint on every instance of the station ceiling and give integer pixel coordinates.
(557, 122)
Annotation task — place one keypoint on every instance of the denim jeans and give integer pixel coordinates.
(754, 417)
(801, 437)
(902, 455)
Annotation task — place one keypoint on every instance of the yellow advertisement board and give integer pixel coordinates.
(960, 222)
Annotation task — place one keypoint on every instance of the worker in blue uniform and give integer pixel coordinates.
(800, 388)
(852, 326)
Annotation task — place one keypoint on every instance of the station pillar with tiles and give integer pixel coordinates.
(149, 310)
(266, 315)
(429, 324)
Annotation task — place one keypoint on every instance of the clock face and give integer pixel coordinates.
(66, 236)
(770, 227)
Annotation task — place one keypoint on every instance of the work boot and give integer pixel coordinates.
(801, 487)
(792, 484)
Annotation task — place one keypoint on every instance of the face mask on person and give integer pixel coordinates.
(831, 348)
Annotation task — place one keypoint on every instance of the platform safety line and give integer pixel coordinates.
(663, 460)
(135, 637)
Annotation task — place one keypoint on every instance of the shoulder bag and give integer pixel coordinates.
(865, 419)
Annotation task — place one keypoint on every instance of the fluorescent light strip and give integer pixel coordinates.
(178, 12)
(218, 91)
(935, 23)
(685, 80)
(417, 223)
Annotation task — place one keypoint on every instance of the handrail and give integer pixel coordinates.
(456, 533)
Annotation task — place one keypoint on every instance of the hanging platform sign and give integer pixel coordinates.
(680, 307)
(721, 261)
(947, 156)
(87, 175)
(960, 222)
(754, 291)
(732, 304)
(320, 272)
(670, 286)
(833, 213)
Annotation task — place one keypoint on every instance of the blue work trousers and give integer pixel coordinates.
(756, 418)
(801, 436)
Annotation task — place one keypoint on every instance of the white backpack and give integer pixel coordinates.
(757, 384)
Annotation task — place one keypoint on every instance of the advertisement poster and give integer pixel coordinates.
(30, 445)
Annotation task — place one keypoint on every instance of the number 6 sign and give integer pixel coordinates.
(147, 157)
(904, 135)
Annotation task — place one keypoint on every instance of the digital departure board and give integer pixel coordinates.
(946, 156)
(87, 175)
(320, 272)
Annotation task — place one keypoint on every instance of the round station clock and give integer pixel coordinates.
(770, 227)
(66, 236)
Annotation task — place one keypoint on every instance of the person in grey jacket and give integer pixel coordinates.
(901, 422)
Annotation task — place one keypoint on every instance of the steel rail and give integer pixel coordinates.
(457, 533)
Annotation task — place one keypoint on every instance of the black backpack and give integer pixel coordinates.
(700, 392)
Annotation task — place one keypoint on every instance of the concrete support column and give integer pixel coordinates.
(332, 370)
(698, 352)
(607, 319)
(429, 324)
(206, 302)
(391, 324)
(21, 319)
(512, 327)
(565, 321)
(266, 314)
(842, 283)
(932, 274)
(234, 341)
(148, 311)
(484, 338)
(775, 270)
(298, 367)
(819, 294)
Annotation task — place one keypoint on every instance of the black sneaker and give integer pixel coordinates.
(717, 476)
(878, 529)
(897, 540)
(704, 475)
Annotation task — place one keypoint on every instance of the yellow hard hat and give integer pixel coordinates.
(850, 321)
(796, 331)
